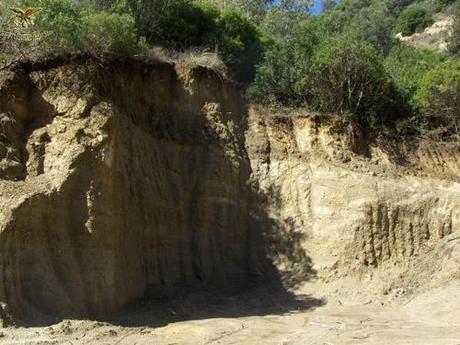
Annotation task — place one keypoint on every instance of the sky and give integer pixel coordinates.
(317, 8)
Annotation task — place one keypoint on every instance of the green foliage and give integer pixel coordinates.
(443, 4)
(348, 77)
(66, 25)
(279, 23)
(111, 32)
(454, 42)
(413, 19)
(296, 5)
(328, 5)
(407, 66)
(175, 24)
(184, 24)
(438, 95)
(395, 7)
(253, 9)
(240, 44)
(283, 76)
(373, 25)
(61, 24)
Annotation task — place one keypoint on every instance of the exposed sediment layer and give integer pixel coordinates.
(120, 179)
(351, 203)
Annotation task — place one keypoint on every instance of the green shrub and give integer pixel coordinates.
(443, 4)
(373, 25)
(339, 75)
(110, 32)
(67, 26)
(183, 24)
(176, 24)
(277, 77)
(278, 23)
(190, 25)
(60, 23)
(253, 9)
(438, 95)
(407, 66)
(240, 44)
(283, 75)
(395, 7)
(413, 19)
(454, 42)
(348, 77)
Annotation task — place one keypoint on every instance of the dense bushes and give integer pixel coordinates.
(337, 75)
(283, 75)
(182, 24)
(239, 43)
(60, 23)
(346, 61)
(174, 23)
(439, 97)
(407, 65)
(347, 76)
(373, 25)
(111, 32)
(65, 25)
(124, 27)
(413, 19)
(454, 44)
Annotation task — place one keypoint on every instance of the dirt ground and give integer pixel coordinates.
(344, 312)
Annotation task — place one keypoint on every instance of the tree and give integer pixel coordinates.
(283, 75)
(413, 19)
(328, 5)
(373, 25)
(296, 5)
(395, 7)
(150, 15)
(60, 25)
(111, 32)
(240, 44)
(454, 42)
(348, 77)
(252, 8)
(407, 66)
(439, 98)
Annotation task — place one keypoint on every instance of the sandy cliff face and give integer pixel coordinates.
(354, 206)
(125, 179)
(435, 37)
(119, 179)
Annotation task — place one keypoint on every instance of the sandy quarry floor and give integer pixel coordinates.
(264, 316)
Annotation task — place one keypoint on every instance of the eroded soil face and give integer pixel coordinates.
(148, 197)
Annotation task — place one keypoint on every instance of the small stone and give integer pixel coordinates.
(399, 292)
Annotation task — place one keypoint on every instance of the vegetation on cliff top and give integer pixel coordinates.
(345, 61)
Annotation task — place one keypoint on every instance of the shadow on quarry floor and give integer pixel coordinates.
(257, 301)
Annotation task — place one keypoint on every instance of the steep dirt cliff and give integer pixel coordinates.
(125, 179)
(357, 207)
(119, 179)
(435, 37)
